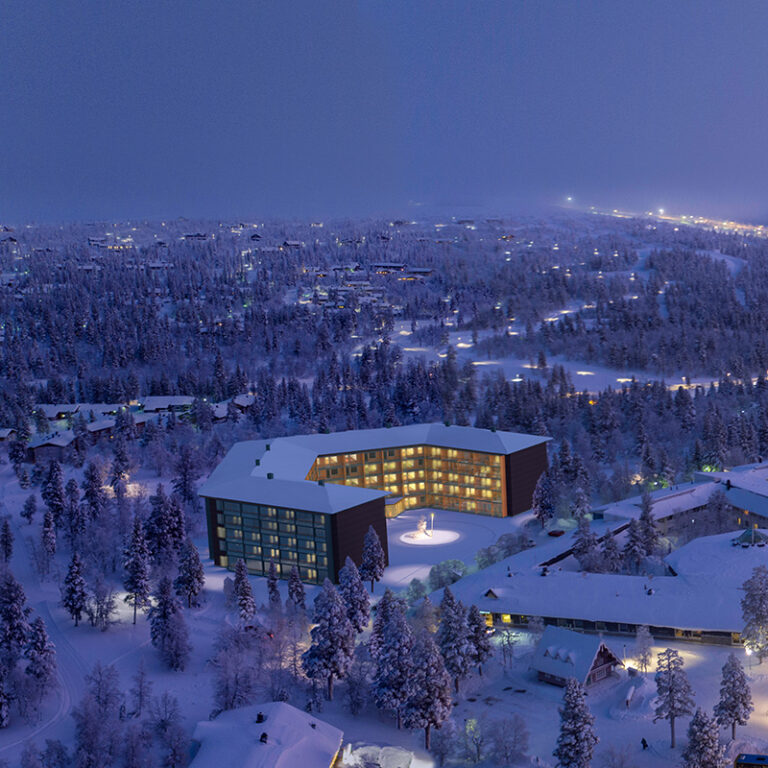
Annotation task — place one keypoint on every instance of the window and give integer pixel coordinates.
(288, 541)
(370, 454)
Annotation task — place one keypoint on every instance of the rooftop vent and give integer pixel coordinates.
(258, 462)
(321, 482)
(268, 447)
(270, 475)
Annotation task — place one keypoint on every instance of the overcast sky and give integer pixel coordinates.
(322, 108)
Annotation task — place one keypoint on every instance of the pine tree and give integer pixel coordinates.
(166, 626)
(273, 592)
(93, 493)
(373, 559)
(354, 595)
(48, 534)
(40, 653)
(74, 596)
(384, 609)
(610, 555)
(29, 509)
(243, 593)
(478, 637)
(675, 697)
(5, 701)
(703, 749)
(643, 645)
(164, 528)
(543, 502)
(296, 593)
(120, 464)
(6, 541)
(136, 566)
(649, 533)
(577, 739)
(735, 705)
(634, 551)
(754, 610)
(429, 704)
(332, 648)
(13, 619)
(74, 514)
(53, 491)
(453, 637)
(586, 546)
(187, 472)
(191, 579)
(394, 671)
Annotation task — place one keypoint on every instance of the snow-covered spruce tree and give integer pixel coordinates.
(586, 546)
(643, 645)
(543, 503)
(56, 755)
(30, 508)
(735, 704)
(273, 592)
(384, 608)
(675, 697)
(453, 637)
(136, 567)
(296, 592)
(354, 595)
(610, 554)
(649, 532)
(478, 637)
(393, 674)
(6, 541)
(73, 594)
(166, 626)
(53, 491)
(13, 619)
(74, 515)
(703, 749)
(160, 528)
(634, 551)
(754, 610)
(246, 605)
(332, 647)
(5, 701)
(577, 739)
(429, 703)
(94, 496)
(118, 477)
(40, 653)
(373, 560)
(48, 536)
(191, 577)
(187, 471)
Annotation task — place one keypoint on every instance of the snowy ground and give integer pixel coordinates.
(499, 692)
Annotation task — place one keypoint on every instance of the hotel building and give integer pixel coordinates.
(308, 500)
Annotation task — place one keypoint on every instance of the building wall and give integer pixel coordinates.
(258, 533)
(348, 529)
(425, 476)
(523, 469)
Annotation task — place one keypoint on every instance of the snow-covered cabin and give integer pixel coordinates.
(562, 654)
(274, 735)
(53, 447)
(157, 403)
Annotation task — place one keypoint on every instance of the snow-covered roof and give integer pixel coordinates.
(563, 653)
(60, 439)
(6, 432)
(666, 502)
(295, 739)
(163, 402)
(289, 460)
(685, 601)
(52, 411)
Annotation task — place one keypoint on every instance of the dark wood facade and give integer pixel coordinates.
(523, 469)
(348, 529)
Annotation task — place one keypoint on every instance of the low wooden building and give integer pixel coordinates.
(562, 654)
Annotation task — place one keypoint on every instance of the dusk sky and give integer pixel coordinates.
(305, 109)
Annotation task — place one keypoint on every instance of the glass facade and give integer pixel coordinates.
(424, 476)
(258, 533)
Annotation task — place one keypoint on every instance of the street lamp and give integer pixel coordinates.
(432, 517)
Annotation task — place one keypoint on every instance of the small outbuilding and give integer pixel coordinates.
(562, 654)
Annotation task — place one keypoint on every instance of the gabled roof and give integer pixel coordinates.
(294, 738)
(563, 653)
